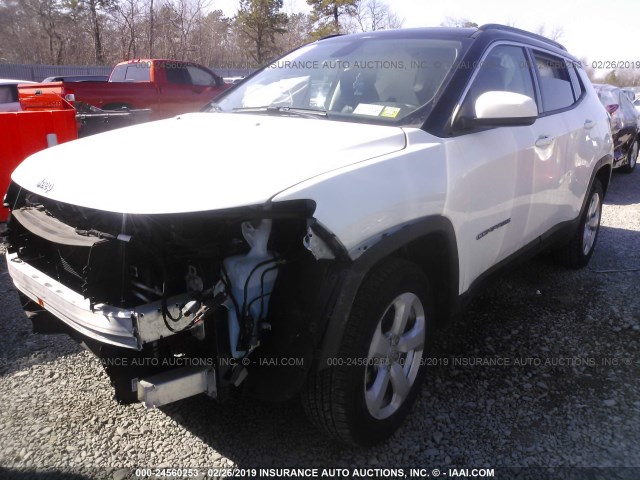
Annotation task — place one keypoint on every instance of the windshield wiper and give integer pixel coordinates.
(272, 110)
(211, 107)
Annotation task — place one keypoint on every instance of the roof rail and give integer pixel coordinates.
(497, 26)
(331, 35)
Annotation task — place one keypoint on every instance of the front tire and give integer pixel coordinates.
(368, 390)
(577, 253)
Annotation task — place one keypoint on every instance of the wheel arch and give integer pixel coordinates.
(602, 172)
(430, 243)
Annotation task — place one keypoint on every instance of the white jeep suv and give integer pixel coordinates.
(305, 232)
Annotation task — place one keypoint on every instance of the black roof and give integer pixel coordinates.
(518, 31)
(419, 32)
(489, 33)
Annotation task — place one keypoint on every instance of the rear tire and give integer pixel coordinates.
(368, 390)
(577, 253)
(632, 158)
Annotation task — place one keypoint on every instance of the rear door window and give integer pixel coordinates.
(178, 74)
(200, 76)
(555, 82)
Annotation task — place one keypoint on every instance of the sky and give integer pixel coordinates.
(598, 30)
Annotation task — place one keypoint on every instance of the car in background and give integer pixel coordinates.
(636, 104)
(9, 94)
(163, 88)
(77, 78)
(233, 80)
(632, 93)
(629, 92)
(624, 126)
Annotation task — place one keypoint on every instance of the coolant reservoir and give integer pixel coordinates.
(253, 271)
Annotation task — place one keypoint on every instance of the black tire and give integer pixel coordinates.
(334, 398)
(632, 158)
(577, 253)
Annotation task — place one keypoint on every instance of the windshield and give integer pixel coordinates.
(369, 80)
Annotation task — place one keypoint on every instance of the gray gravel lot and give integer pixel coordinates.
(567, 393)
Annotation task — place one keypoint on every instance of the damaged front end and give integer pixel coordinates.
(172, 304)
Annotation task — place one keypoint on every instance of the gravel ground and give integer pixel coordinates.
(568, 394)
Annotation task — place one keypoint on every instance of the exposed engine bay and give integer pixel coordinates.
(188, 290)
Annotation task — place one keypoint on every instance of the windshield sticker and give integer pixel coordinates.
(390, 112)
(368, 109)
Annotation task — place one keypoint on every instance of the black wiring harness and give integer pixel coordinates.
(211, 302)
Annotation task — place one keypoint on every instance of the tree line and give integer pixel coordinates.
(105, 32)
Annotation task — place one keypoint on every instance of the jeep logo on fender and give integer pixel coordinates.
(45, 185)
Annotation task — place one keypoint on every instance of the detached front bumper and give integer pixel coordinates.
(128, 328)
(105, 324)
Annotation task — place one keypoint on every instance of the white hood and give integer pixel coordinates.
(200, 161)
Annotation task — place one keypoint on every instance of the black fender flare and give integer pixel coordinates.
(353, 274)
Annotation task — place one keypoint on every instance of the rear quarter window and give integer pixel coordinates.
(134, 72)
(576, 84)
(8, 93)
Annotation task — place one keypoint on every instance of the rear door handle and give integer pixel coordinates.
(544, 141)
(589, 124)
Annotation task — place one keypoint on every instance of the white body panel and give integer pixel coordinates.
(199, 161)
(477, 181)
(361, 202)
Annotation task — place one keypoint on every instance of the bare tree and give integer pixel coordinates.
(90, 15)
(212, 40)
(49, 16)
(555, 33)
(86, 32)
(126, 16)
(458, 22)
(372, 15)
(97, 40)
(185, 14)
(151, 32)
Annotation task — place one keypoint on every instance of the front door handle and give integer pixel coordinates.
(544, 141)
(589, 124)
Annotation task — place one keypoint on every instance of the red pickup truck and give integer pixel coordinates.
(165, 87)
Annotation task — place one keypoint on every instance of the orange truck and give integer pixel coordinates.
(161, 88)
(25, 133)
